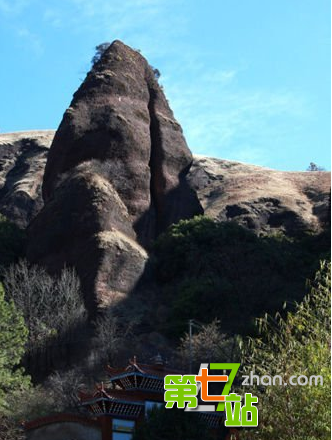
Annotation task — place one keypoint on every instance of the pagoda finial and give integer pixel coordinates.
(135, 359)
(159, 360)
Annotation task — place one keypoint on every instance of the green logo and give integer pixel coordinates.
(181, 390)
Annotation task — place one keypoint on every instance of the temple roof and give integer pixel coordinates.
(135, 396)
(128, 389)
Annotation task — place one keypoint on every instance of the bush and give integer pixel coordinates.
(51, 306)
(211, 270)
(10, 429)
(100, 50)
(13, 336)
(111, 337)
(208, 344)
(314, 167)
(296, 345)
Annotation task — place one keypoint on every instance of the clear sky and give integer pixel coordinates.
(248, 80)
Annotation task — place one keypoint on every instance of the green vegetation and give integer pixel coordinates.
(99, 52)
(314, 167)
(19, 400)
(13, 382)
(211, 270)
(13, 336)
(218, 273)
(296, 345)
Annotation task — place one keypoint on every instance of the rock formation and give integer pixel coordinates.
(22, 163)
(119, 172)
(120, 119)
(115, 178)
(253, 196)
(262, 199)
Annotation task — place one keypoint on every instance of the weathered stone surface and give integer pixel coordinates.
(222, 187)
(115, 178)
(119, 172)
(86, 225)
(262, 199)
(22, 162)
(120, 117)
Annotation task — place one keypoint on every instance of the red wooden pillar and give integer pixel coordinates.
(106, 427)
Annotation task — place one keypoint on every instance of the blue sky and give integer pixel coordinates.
(248, 80)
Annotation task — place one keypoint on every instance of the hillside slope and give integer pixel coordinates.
(262, 199)
(259, 198)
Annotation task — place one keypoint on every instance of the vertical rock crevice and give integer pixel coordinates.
(157, 178)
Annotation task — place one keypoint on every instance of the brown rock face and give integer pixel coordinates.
(120, 118)
(114, 179)
(262, 199)
(22, 162)
(253, 196)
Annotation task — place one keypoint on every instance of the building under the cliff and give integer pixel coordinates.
(114, 409)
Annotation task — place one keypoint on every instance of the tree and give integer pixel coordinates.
(100, 50)
(209, 344)
(64, 388)
(13, 337)
(18, 399)
(156, 72)
(110, 337)
(296, 345)
(314, 167)
(51, 306)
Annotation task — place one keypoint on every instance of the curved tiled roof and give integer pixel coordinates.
(134, 396)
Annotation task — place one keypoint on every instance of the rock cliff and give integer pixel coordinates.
(120, 122)
(251, 195)
(115, 177)
(119, 172)
(22, 162)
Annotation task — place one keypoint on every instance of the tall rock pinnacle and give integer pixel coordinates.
(116, 176)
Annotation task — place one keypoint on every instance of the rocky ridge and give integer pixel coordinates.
(261, 199)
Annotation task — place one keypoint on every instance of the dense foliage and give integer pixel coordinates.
(297, 345)
(19, 400)
(13, 336)
(213, 270)
(13, 382)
